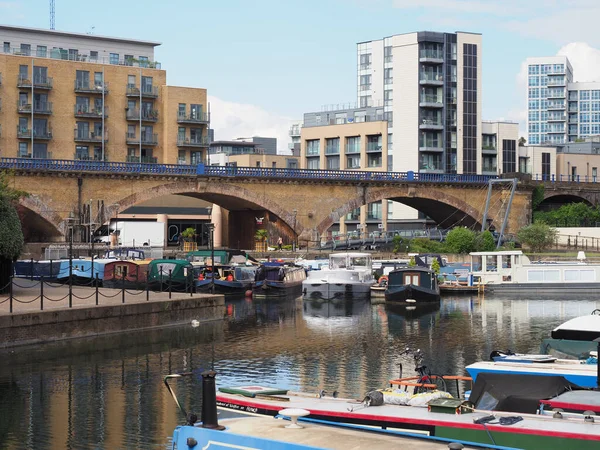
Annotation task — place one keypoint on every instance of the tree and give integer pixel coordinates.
(435, 266)
(412, 262)
(537, 236)
(188, 234)
(537, 197)
(569, 214)
(460, 240)
(484, 242)
(11, 233)
(399, 244)
(522, 141)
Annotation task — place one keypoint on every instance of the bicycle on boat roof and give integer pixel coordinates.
(425, 380)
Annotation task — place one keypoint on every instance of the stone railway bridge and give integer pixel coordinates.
(307, 202)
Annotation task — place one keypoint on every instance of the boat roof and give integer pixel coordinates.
(579, 328)
(412, 269)
(501, 252)
(351, 254)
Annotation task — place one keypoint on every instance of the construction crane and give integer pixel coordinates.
(52, 14)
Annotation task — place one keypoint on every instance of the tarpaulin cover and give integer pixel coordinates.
(516, 393)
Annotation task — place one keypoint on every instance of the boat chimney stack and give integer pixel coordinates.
(209, 401)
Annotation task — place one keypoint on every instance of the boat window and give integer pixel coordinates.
(164, 268)
(337, 262)
(121, 271)
(244, 273)
(358, 261)
(490, 263)
(411, 278)
(540, 275)
(580, 275)
(475, 263)
(506, 264)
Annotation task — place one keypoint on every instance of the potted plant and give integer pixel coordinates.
(189, 236)
(261, 237)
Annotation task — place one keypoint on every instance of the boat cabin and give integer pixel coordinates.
(350, 261)
(416, 276)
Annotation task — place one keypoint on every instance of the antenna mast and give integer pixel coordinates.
(52, 14)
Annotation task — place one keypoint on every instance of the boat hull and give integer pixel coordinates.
(532, 433)
(402, 294)
(223, 287)
(544, 288)
(268, 288)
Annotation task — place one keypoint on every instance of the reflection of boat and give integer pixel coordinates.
(412, 285)
(228, 279)
(275, 278)
(512, 272)
(174, 274)
(574, 337)
(348, 275)
(411, 311)
(346, 307)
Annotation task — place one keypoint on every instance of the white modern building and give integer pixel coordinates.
(429, 87)
(559, 110)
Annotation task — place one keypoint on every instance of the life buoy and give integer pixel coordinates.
(200, 277)
(383, 281)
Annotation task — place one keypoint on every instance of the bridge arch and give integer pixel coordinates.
(39, 221)
(230, 196)
(554, 199)
(446, 209)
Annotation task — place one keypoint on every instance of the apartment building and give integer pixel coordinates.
(499, 143)
(559, 110)
(80, 96)
(295, 137)
(428, 85)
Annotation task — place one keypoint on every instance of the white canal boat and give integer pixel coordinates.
(348, 275)
(512, 272)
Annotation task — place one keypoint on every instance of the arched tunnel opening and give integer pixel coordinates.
(36, 228)
(556, 201)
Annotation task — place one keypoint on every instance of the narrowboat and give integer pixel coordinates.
(51, 270)
(227, 280)
(347, 275)
(412, 285)
(85, 271)
(278, 278)
(173, 274)
(126, 274)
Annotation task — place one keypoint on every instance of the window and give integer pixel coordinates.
(365, 100)
(594, 174)
(257, 163)
(73, 54)
(352, 144)
(388, 96)
(147, 84)
(82, 152)
(82, 105)
(23, 72)
(365, 80)
(181, 134)
(25, 49)
(291, 163)
(40, 75)
(93, 55)
(7, 47)
(387, 54)
(195, 111)
(374, 160)
(333, 162)
(365, 60)
(374, 211)
(98, 80)
(332, 146)
(181, 110)
(130, 81)
(312, 163)
(388, 76)
(82, 79)
(273, 164)
(23, 150)
(143, 61)
(509, 155)
(113, 58)
(545, 166)
(374, 143)
(353, 161)
(312, 147)
(128, 60)
(534, 81)
(40, 151)
(42, 51)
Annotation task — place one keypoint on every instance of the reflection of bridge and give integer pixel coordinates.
(306, 201)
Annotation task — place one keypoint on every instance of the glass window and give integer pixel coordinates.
(353, 161)
(353, 144)
(332, 146)
(7, 47)
(584, 95)
(73, 54)
(388, 76)
(534, 115)
(98, 79)
(114, 58)
(584, 106)
(93, 55)
(534, 69)
(312, 147)
(147, 84)
(312, 163)
(42, 51)
(534, 81)
(130, 80)
(365, 60)
(23, 150)
(534, 93)
(25, 50)
(534, 104)
(333, 162)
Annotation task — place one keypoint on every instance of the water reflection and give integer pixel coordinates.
(107, 392)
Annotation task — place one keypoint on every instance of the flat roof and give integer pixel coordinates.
(244, 143)
(78, 35)
(421, 31)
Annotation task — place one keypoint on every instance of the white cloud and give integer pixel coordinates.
(232, 120)
(585, 60)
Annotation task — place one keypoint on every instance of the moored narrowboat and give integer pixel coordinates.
(278, 278)
(412, 285)
(126, 274)
(173, 274)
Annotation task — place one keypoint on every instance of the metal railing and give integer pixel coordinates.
(199, 141)
(148, 115)
(195, 117)
(89, 112)
(38, 82)
(87, 87)
(38, 107)
(431, 76)
(431, 54)
(144, 159)
(89, 136)
(147, 91)
(146, 138)
(430, 99)
(25, 133)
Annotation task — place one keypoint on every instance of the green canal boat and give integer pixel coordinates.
(173, 274)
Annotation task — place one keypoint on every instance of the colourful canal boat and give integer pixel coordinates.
(126, 274)
(170, 274)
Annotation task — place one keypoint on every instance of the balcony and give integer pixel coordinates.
(555, 81)
(90, 136)
(573, 119)
(147, 91)
(38, 82)
(148, 115)
(489, 169)
(431, 124)
(146, 139)
(431, 78)
(84, 87)
(199, 141)
(194, 118)
(41, 134)
(87, 112)
(431, 101)
(38, 108)
(557, 118)
(559, 106)
(143, 159)
(373, 147)
(431, 146)
(556, 93)
(84, 157)
(431, 56)
(431, 167)
(556, 131)
(488, 149)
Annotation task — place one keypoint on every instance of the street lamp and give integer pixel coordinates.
(295, 211)
(211, 228)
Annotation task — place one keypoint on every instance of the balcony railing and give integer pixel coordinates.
(38, 107)
(431, 100)
(90, 136)
(85, 87)
(25, 133)
(195, 117)
(488, 147)
(82, 111)
(84, 157)
(556, 82)
(557, 105)
(489, 168)
(430, 146)
(38, 82)
(332, 150)
(143, 159)
(428, 166)
(557, 118)
(146, 139)
(431, 124)
(431, 78)
(199, 141)
(431, 55)
(148, 115)
(373, 147)
(147, 91)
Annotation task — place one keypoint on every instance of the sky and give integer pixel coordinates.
(266, 62)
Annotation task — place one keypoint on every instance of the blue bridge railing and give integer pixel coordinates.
(259, 172)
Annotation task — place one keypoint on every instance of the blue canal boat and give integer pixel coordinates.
(86, 271)
(51, 270)
(227, 279)
(278, 278)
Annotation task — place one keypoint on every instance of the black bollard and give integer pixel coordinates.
(41, 293)
(97, 283)
(170, 281)
(209, 401)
